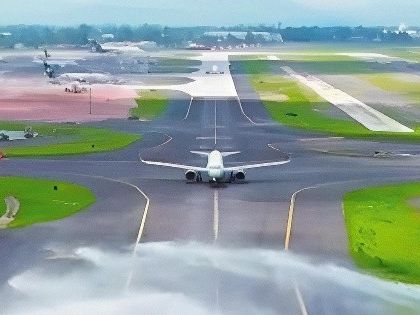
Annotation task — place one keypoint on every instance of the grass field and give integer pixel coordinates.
(150, 105)
(302, 108)
(323, 64)
(39, 202)
(411, 54)
(384, 230)
(76, 140)
(393, 83)
(330, 64)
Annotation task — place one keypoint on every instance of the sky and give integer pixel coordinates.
(211, 12)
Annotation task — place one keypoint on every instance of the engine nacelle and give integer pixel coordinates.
(191, 176)
(240, 175)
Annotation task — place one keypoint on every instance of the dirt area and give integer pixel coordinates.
(12, 208)
(415, 203)
(273, 97)
(28, 95)
(36, 100)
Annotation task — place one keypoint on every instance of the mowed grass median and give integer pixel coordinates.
(150, 105)
(66, 140)
(383, 225)
(43, 200)
(394, 83)
(292, 104)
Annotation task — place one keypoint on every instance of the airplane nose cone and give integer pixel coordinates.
(216, 174)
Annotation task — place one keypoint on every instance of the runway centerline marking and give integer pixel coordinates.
(215, 215)
(215, 122)
(301, 302)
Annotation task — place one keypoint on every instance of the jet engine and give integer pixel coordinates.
(240, 175)
(191, 176)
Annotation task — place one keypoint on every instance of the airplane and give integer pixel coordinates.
(215, 168)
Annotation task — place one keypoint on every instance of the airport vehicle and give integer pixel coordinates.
(215, 70)
(215, 169)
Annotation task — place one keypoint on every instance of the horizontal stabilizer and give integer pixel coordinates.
(201, 153)
(224, 154)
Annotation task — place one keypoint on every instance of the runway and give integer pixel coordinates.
(252, 215)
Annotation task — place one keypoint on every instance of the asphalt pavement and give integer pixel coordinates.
(254, 214)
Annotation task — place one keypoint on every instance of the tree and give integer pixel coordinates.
(250, 38)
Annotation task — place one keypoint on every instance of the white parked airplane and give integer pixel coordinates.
(215, 168)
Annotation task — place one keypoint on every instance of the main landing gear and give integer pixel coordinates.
(231, 178)
(199, 178)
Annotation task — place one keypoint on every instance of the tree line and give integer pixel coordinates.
(39, 35)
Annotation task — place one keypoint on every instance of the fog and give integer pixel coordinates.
(169, 278)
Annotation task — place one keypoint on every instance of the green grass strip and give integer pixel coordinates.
(150, 105)
(383, 225)
(71, 139)
(392, 83)
(302, 108)
(40, 202)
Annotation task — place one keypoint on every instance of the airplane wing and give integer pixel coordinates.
(178, 166)
(249, 166)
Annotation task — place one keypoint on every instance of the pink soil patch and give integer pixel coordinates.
(52, 104)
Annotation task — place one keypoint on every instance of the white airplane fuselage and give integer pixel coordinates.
(215, 168)
(215, 165)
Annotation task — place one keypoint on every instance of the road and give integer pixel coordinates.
(255, 214)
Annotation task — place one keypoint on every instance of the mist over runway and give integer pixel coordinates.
(199, 279)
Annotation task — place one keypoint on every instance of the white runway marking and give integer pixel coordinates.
(215, 215)
(211, 138)
(243, 113)
(321, 139)
(189, 108)
(290, 216)
(298, 293)
(301, 302)
(215, 122)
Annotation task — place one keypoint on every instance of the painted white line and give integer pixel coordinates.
(321, 139)
(215, 121)
(163, 143)
(243, 113)
(166, 142)
(73, 161)
(271, 146)
(189, 108)
(301, 302)
(290, 216)
(298, 293)
(160, 145)
(211, 138)
(215, 215)
(142, 193)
